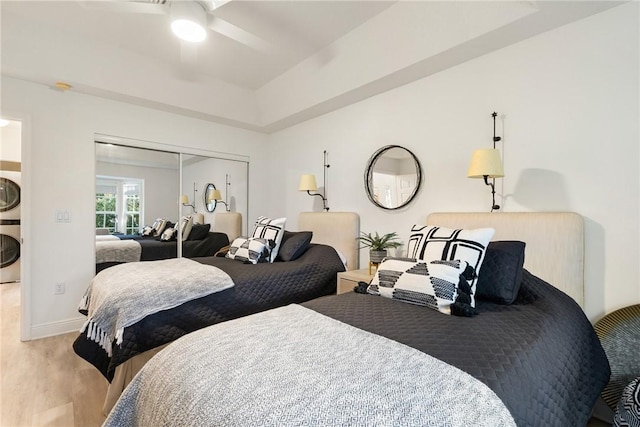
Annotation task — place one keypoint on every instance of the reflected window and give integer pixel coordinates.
(118, 204)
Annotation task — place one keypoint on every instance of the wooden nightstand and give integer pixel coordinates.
(347, 280)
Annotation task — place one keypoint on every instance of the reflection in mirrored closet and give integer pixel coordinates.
(142, 193)
(134, 186)
(202, 176)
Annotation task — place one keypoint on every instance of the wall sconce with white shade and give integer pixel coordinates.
(184, 199)
(216, 195)
(487, 163)
(308, 184)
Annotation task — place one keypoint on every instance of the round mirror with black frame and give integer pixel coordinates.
(393, 177)
(208, 201)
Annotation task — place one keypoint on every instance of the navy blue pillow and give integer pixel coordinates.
(501, 272)
(293, 245)
(199, 231)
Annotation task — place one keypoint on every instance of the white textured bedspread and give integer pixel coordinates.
(117, 251)
(122, 295)
(294, 366)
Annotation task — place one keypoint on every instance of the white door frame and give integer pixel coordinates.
(25, 220)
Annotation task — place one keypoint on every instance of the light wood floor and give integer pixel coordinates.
(43, 382)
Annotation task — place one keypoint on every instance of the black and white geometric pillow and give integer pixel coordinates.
(250, 250)
(147, 230)
(434, 285)
(628, 409)
(270, 229)
(431, 243)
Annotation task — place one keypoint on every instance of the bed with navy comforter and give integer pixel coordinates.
(257, 287)
(539, 356)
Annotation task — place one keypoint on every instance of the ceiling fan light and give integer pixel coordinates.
(188, 30)
(188, 21)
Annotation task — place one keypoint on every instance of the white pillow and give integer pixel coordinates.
(187, 225)
(270, 229)
(432, 284)
(431, 243)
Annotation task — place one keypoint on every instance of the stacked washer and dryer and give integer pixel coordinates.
(10, 174)
(9, 226)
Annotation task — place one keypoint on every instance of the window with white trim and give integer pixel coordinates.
(119, 204)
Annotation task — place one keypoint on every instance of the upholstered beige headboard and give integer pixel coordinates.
(229, 223)
(554, 242)
(337, 229)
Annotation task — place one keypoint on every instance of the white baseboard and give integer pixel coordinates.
(57, 328)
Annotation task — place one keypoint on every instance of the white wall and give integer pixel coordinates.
(59, 171)
(568, 101)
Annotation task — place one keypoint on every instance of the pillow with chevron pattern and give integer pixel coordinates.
(440, 285)
(430, 243)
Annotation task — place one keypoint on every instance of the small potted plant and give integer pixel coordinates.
(378, 245)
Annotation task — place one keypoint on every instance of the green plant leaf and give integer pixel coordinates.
(378, 242)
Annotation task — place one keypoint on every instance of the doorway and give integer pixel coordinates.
(10, 197)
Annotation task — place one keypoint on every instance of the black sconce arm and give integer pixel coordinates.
(492, 184)
(324, 200)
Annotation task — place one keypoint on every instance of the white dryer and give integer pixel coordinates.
(9, 226)
(9, 250)
(9, 194)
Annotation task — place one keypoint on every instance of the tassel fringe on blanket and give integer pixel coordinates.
(97, 335)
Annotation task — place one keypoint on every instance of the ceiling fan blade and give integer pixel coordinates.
(125, 6)
(216, 4)
(227, 29)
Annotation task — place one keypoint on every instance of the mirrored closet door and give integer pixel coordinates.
(142, 193)
(213, 185)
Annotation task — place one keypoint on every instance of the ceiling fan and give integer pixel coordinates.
(190, 19)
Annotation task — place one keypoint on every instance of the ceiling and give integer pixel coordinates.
(295, 29)
(325, 54)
